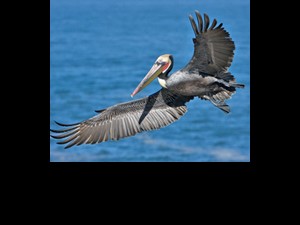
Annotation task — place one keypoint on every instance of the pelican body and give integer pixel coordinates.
(206, 76)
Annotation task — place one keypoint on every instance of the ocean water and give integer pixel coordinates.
(100, 51)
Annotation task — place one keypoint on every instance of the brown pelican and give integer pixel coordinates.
(206, 76)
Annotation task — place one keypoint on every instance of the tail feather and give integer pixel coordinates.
(222, 95)
(236, 85)
(229, 78)
(218, 99)
(226, 76)
(221, 105)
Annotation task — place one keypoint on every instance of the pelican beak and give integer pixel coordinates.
(154, 72)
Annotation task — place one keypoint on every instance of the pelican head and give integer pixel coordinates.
(161, 68)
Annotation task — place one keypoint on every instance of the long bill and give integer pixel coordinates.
(154, 72)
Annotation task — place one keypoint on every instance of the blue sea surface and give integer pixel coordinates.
(101, 50)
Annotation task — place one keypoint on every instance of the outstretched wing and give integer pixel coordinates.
(213, 47)
(126, 119)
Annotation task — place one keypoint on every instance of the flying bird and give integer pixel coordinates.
(206, 76)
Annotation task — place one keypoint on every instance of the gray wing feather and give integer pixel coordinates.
(126, 119)
(213, 47)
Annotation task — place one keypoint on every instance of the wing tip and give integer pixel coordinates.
(206, 22)
(198, 14)
(200, 28)
(194, 26)
(99, 110)
(65, 125)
